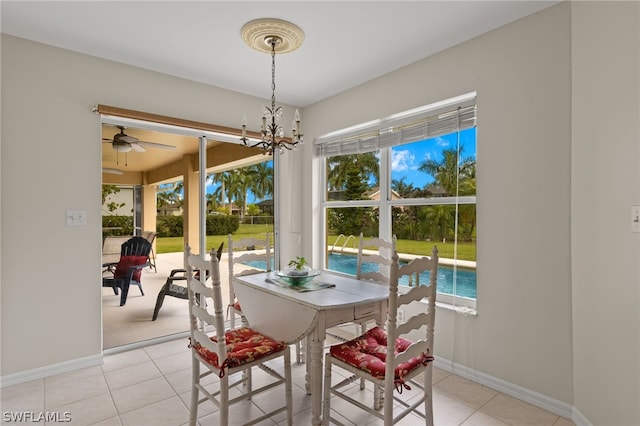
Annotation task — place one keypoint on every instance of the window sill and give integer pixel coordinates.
(462, 310)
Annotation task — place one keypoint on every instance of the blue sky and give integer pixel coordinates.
(406, 159)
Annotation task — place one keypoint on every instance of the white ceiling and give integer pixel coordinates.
(346, 42)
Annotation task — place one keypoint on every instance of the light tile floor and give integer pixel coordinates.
(150, 386)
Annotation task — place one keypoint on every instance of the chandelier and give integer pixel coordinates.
(274, 36)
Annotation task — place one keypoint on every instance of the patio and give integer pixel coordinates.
(132, 323)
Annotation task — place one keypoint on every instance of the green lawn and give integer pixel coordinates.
(176, 244)
(466, 251)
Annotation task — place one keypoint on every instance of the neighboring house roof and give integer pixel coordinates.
(374, 194)
(265, 203)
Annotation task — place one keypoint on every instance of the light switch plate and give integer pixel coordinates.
(76, 217)
(635, 218)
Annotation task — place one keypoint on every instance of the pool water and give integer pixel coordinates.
(465, 278)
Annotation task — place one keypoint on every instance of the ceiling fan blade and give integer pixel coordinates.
(121, 137)
(137, 147)
(156, 145)
(112, 171)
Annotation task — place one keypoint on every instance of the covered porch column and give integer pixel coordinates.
(149, 208)
(190, 201)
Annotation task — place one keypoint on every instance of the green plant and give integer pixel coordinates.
(298, 263)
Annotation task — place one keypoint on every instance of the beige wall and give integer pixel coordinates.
(535, 323)
(51, 162)
(522, 76)
(557, 173)
(605, 171)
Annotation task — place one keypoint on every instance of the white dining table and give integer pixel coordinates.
(289, 315)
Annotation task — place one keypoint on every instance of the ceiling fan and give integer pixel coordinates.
(122, 142)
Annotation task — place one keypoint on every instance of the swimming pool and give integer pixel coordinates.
(465, 278)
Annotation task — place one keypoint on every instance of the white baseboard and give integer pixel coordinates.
(49, 370)
(532, 397)
(579, 419)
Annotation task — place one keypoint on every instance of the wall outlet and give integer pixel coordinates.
(400, 317)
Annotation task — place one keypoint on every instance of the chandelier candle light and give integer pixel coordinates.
(274, 36)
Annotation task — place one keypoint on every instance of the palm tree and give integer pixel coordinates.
(457, 177)
(262, 184)
(245, 179)
(403, 189)
(220, 193)
(170, 194)
(338, 169)
(450, 173)
(211, 202)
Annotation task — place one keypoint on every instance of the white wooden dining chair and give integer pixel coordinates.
(369, 355)
(373, 263)
(228, 354)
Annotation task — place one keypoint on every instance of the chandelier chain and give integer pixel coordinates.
(273, 73)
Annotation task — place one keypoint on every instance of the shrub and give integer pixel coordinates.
(219, 224)
(170, 226)
(125, 223)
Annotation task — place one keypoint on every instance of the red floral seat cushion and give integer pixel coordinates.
(127, 262)
(243, 345)
(368, 352)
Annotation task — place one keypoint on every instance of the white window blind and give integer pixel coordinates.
(441, 118)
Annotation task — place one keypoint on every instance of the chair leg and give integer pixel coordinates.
(140, 285)
(152, 261)
(159, 302)
(195, 379)
(124, 294)
(378, 397)
(224, 400)
(288, 386)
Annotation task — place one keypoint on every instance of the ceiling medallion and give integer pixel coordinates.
(257, 32)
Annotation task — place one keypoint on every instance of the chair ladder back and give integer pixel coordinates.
(413, 351)
(249, 246)
(198, 270)
(395, 330)
(249, 255)
(382, 257)
(136, 246)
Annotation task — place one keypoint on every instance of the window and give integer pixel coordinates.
(412, 175)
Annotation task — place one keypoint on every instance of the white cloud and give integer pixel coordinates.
(402, 160)
(440, 141)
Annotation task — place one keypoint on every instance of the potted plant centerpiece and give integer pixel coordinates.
(298, 267)
(297, 272)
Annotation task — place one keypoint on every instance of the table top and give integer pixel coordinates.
(348, 291)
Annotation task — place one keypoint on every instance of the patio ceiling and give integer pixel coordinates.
(155, 166)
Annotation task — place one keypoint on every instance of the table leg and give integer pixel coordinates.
(315, 367)
(307, 360)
